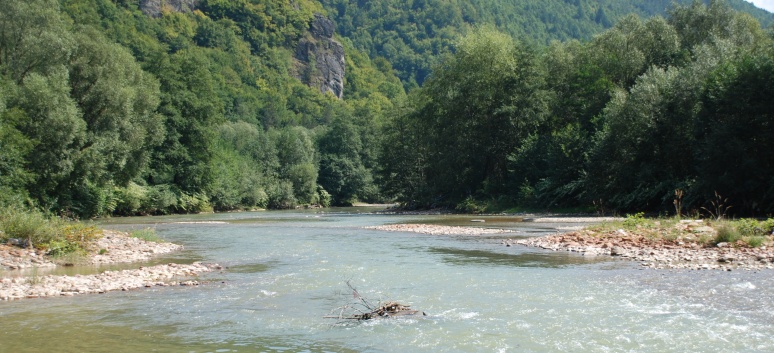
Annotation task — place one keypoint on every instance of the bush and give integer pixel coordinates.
(147, 234)
(91, 200)
(755, 242)
(727, 234)
(323, 197)
(255, 197)
(161, 200)
(749, 227)
(470, 205)
(130, 199)
(196, 203)
(633, 221)
(31, 226)
(57, 236)
(767, 226)
(281, 196)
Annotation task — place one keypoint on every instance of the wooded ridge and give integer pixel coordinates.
(158, 106)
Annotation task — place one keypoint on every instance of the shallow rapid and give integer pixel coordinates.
(285, 271)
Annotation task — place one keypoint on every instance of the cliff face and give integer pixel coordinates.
(319, 59)
(153, 8)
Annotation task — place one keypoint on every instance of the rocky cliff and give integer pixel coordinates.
(153, 8)
(319, 59)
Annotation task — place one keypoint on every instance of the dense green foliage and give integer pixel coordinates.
(412, 34)
(105, 109)
(621, 121)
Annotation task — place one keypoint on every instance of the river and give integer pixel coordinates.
(285, 271)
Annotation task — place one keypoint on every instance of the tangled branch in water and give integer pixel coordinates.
(363, 309)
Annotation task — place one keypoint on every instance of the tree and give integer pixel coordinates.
(191, 109)
(734, 129)
(297, 161)
(33, 38)
(643, 150)
(14, 150)
(118, 102)
(342, 172)
(481, 103)
(54, 125)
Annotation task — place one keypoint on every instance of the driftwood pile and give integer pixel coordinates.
(363, 309)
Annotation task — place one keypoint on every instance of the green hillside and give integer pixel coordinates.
(650, 115)
(146, 107)
(132, 107)
(412, 34)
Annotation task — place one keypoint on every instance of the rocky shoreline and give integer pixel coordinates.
(655, 253)
(113, 247)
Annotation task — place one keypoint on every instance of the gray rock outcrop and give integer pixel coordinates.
(319, 59)
(153, 8)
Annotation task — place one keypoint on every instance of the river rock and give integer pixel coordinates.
(654, 253)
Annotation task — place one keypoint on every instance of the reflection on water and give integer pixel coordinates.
(95, 332)
(183, 257)
(248, 268)
(466, 257)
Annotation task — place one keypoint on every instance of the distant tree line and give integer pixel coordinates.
(413, 34)
(622, 121)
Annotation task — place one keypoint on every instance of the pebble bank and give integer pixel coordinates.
(656, 254)
(113, 247)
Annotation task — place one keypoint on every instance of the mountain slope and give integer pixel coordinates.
(412, 34)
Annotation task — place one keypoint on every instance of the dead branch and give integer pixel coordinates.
(364, 309)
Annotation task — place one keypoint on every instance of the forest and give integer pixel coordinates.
(107, 109)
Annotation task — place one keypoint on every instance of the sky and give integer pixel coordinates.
(765, 4)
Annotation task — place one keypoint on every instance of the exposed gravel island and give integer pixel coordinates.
(112, 247)
(671, 245)
(682, 249)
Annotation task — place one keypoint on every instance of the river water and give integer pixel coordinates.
(287, 270)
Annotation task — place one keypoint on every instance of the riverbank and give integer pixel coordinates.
(683, 245)
(668, 244)
(112, 247)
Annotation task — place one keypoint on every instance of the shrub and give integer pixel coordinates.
(749, 227)
(31, 226)
(55, 235)
(147, 234)
(92, 200)
(324, 199)
(470, 205)
(633, 221)
(727, 234)
(161, 199)
(281, 196)
(755, 241)
(768, 226)
(80, 234)
(196, 203)
(255, 197)
(130, 199)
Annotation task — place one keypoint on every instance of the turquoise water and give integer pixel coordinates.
(286, 270)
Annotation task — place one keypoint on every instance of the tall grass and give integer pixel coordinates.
(147, 234)
(742, 232)
(51, 234)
